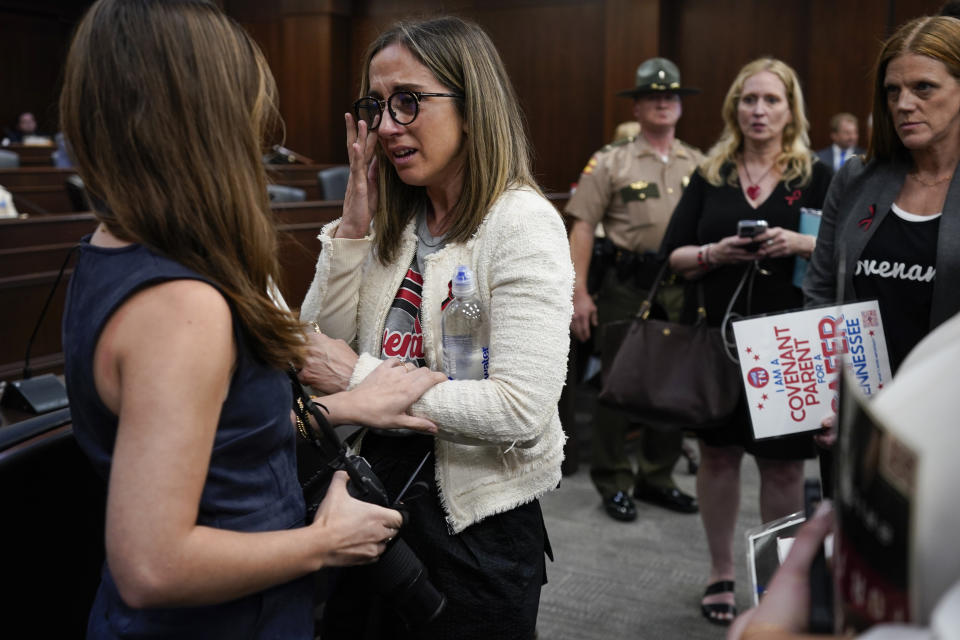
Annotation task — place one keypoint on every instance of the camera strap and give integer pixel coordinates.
(324, 437)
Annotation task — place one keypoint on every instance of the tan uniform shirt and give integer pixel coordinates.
(630, 189)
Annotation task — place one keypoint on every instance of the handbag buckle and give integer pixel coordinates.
(644, 311)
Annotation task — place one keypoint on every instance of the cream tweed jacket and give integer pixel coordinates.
(499, 443)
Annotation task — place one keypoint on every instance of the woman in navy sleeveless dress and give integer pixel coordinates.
(175, 352)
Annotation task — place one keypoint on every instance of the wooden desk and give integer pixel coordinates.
(32, 250)
(35, 177)
(38, 190)
(33, 156)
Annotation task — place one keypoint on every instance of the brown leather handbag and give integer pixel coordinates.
(670, 375)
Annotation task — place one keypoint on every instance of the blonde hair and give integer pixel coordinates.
(794, 160)
(167, 104)
(626, 130)
(497, 153)
(935, 37)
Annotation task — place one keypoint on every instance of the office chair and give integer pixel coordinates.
(280, 193)
(53, 507)
(9, 159)
(333, 182)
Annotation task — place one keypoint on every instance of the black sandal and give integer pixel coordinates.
(714, 610)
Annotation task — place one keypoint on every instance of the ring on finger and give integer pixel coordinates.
(316, 327)
(770, 241)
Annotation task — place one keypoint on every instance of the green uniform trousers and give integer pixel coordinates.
(610, 467)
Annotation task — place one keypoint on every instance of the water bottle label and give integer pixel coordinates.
(463, 361)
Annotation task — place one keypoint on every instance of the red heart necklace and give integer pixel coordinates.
(753, 186)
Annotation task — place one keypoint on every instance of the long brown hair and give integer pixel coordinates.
(794, 160)
(935, 37)
(167, 104)
(462, 57)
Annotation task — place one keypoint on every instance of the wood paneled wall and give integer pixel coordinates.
(567, 59)
(832, 44)
(34, 36)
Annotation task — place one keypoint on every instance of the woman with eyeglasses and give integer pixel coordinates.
(440, 177)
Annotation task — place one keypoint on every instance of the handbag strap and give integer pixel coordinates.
(323, 436)
(645, 306)
(644, 312)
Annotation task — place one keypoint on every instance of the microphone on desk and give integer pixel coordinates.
(21, 201)
(45, 392)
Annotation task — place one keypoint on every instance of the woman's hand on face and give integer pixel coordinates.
(360, 200)
(382, 399)
(353, 532)
(778, 242)
(731, 250)
(329, 363)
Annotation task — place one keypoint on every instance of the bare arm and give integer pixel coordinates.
(163, 365)
(581, 250)
(686, 260)
(381, 400)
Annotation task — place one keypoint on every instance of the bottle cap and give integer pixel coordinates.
(464, 283)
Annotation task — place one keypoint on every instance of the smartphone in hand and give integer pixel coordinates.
(751, 229)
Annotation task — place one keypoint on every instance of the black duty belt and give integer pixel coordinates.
(640, 268)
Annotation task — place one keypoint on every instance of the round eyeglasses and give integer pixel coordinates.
(404, 107)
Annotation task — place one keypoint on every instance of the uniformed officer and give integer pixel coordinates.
(632, 187)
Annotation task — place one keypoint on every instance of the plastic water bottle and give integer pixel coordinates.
(466, 330)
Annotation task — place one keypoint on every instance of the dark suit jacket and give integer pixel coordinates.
(826, 156)
(857, 202)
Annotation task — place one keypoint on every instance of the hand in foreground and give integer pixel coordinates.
(584, 315)
(827, 435)
(786, 605)
(329, 363)
(354, 532)
(384, 396)
(360, 200)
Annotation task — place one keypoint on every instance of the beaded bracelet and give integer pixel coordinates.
(703, 257)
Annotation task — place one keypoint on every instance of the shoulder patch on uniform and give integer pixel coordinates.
(587, 170)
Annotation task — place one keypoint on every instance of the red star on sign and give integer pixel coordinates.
(756, 357)
(871, 332)
(749, 350)
(760, 406)
(765, 397)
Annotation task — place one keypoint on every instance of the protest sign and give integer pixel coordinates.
(790, 361)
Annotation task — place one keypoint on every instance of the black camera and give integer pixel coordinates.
(399, 575)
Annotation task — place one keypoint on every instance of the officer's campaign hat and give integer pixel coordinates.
(657, 75)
